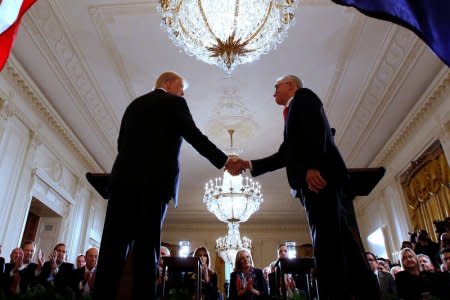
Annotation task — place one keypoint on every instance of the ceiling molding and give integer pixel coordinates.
(254, 228)
(414, 55)
(435, 94)
(354, 32)
(41, 106)
(51, 35)
(377, 85)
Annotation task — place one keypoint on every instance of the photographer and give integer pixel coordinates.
(424, 245)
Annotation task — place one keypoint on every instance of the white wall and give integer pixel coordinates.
(41, 158)
(386, 206)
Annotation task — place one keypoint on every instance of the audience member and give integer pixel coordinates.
(411, 284)
(385, 279)
(407, 244)
(56, 272)
(395, 269)
(383, 265)
(444, 277)
(83, 278)
(2, 263)
(210, 290)
(12, 276)
(425, 263)
(424, 245)
(444, 240)
(246, 282)
(29, 271)
(163, 252)
(282, 252)
(80, 261)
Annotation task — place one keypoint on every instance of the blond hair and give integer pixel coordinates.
(165, 78)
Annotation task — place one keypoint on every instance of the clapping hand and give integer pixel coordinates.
(236, 166)
(41, 258)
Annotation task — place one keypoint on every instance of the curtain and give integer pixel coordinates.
(426, 185)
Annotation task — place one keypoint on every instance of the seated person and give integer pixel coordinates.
(163, 252)
(83, 279)
(246, 282)
(209, 277)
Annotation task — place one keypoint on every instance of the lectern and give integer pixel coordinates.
(101, 183)
(181, 274)
(298, 270)
(363, 180)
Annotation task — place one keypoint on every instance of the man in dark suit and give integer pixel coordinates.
(144, 179)
(56, 272)
(318, 176)
(386, 282)
(83, 279)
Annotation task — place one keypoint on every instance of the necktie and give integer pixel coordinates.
(15, 285)
(285, 112)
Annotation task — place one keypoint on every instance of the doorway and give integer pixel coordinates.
(42, 226)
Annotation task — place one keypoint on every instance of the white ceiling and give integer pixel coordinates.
(90, 58)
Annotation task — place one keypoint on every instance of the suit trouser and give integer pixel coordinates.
(342, 270)
(133, 222)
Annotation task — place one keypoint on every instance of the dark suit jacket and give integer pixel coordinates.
(149, 143)
(308, 144)
(61, 280)
(27, 277)
(2, 265)
(387, 285)
(78, 282)
(259, 284)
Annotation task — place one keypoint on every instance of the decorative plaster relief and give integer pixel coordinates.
(57, 171)
(5, 97)
(43, 176)
(383, 79)
(50, 197)
(51, 34)
(415, 121)
(354, 30)
(50, 117)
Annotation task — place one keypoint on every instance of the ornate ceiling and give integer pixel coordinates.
(91, 58)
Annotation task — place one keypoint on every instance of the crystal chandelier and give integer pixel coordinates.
(227, 32)
(227, 246)
(233, 199)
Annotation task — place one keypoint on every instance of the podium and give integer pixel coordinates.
(362, 180)
(298, 270)
(101, 182)
(181, 273)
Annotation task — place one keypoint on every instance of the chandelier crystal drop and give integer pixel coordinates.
(233, 199)
(227, 246)
(227, 32)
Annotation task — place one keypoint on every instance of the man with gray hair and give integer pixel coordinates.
(318, 176)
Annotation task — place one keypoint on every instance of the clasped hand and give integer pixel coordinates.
(236, 166)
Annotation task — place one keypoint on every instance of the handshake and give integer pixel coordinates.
(236, 166)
